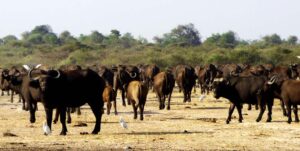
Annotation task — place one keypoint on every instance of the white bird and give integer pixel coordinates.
(202, 97)
(46, 128)
(123, 123)
(298, 57)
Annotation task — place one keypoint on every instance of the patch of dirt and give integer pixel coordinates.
(196, 125)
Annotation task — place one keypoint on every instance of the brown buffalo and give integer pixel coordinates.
(137, 94)
(108, 97)
(163, 86)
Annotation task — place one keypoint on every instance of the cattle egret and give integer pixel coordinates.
(298, 57)
(123, 123)
(46, 128)
(26, 67)
(202, 97)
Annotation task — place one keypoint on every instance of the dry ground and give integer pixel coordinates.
(191, 126)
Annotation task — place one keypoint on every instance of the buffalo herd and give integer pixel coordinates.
(69, 87)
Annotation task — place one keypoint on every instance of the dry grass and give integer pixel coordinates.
(191, 126)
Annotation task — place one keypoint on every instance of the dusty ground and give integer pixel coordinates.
(192, 126)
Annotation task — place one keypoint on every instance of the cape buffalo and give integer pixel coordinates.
(163, 86)
(61, 89)
(240, 90)
(137, 94)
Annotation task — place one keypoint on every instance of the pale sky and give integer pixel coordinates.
(250, 19)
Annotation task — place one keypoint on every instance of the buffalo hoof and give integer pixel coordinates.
(227, 121)
(63, 133)
(95, 132)
(249, 108)
(69, 121)
(54, 121)
(142, 118)
(240, 121)
(297, 120)
(258, 120)
(168, 108)
(289, 121)
(116, 113)
(32, 120)
(284, 114)
(269, 120)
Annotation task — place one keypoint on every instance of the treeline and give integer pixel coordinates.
(182, 45)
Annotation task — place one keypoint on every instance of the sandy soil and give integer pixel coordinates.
(199, 125)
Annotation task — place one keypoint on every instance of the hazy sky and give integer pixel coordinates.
(250, 19)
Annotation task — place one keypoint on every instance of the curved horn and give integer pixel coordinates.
(232, 73)
(272, 80)
(29, 75)
(25, 66)
(132, 75)
(37, 66)
(58, 74)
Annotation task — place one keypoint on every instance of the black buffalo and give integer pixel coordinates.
(185, 78)
(240, 90)
(61, 89)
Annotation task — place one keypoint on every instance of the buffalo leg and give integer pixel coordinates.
(141, 106)
(262, 108)
(78, 111)
(49, 112)
(115, 107)
(256, 106)
(62, 111)
(32, 112)
(249, 106)
(269, 112)
(295, 108)
(2, 92)
(288, 107)
(239, 108)
(123, 97)
(160, 100)
(134, 110)
(56, 116)
(12, 97)
(97, 110)
(69, 119)
(283, 108)
(169, 100)
(108, 107)
(231, 109)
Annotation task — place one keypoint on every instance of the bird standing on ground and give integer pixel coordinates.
(46, 128)
(123, 123)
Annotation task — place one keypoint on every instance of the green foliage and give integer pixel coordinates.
(181, 35)
(273, 39)
(292, 40)
(226, 40)
(182, 45)
(9, 38)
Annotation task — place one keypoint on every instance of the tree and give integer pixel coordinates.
(128, 40)
(50, 38)
(273, 39)
(1, 42)
(292, 40)
(96, 37)
(225, 40)
(42, 29)
(228, 40)
(182, 34)
(66, 37)
(213, 39)
(9, 38)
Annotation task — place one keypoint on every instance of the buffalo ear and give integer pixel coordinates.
(34, 83)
